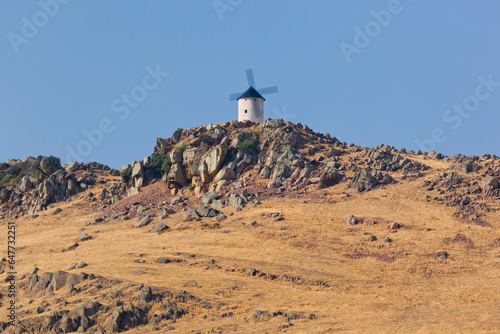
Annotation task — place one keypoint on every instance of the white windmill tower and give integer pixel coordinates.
(251, 102)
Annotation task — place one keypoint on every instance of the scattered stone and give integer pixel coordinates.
(372, 238)
(81, 264)
(158, 227)
(163, 259)
(387, 239)
(394, 226)
(84, 237)
(72, 266)
(351, 220)
(97, 220)
(442, 255)
(208, 197)
(58, 210)
(176, 200)
(143, 221)
(72, 247)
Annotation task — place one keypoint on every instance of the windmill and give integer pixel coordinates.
(251, 102)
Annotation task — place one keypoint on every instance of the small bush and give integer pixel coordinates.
(160, 163)
(248, 146)
(126, 175)
(205, 138)
(166, 147)
(166, 165)
(52, 163)
(215, 226)
(181, 148)
(6, 179)
(4, 165)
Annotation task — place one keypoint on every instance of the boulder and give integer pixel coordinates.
(58, 280)
(235, 200)
(225, 173)
(328, 179)
(138, 174)
(25, 184)
(177, 175)
(84, 237)
(208, 197)
(351, 220)
(145, 294)
(158, 227)
(490, 183)
(176, 200)
(207, 212)
(143, 221)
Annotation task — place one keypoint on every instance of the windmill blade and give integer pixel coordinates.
(268, 90)
(234, 96)
(251, 80)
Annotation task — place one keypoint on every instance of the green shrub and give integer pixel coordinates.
(181, 148)
(248, 146)
(6, 179)
(4, 165)
(205, 138)
(160, 163)
(53, 163)
(126, 175)
(166, 165)
(166, 147)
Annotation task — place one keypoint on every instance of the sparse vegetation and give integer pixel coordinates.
(4, 165)
(166, 164)
(6, 179)
(126, 175)
(204, 138)
(181, 148)
(166, 147)
(52, 164)
(248, 146)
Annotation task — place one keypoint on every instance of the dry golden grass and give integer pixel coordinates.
(374, 287)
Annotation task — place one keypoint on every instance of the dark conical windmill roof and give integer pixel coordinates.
(251, 92)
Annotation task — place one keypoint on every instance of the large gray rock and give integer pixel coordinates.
(58, 280)
(177, 175)
(225, 173)
(158, 227)
(25, 184)
(328, 179)
(490, 183)
(208, 197)
(207, 212)
(235, 200)
(265, 173)
(212, 162)
(143, 221)
(138, 174)
(84, 237)
(176, 200)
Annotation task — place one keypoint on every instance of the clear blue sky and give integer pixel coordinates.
(70, 74)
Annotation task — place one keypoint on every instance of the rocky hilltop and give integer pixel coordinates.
(218, 158)
(244, 227)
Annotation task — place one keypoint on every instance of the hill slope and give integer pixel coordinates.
(258, 228)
